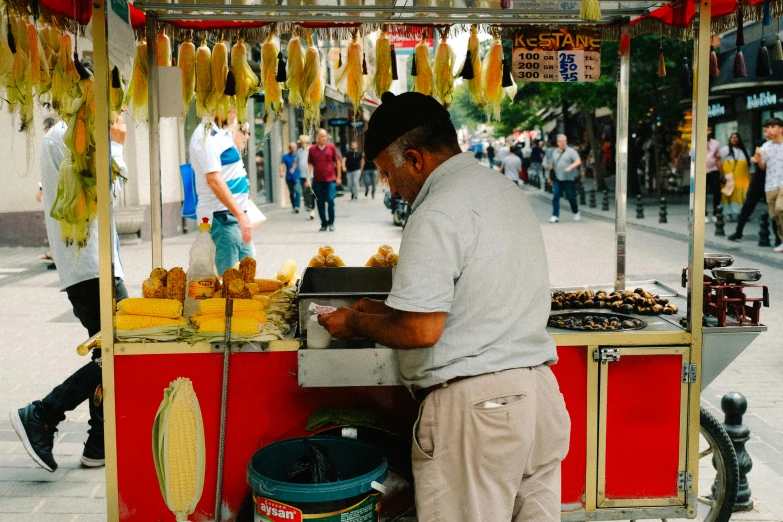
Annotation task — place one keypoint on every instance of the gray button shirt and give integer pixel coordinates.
(562, 160)
(473, 248)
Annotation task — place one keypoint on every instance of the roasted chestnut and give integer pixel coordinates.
(629, 324)
(657, 309)
(626, 309)
(557, 305)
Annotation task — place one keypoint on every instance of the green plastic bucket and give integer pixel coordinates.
(355, 498)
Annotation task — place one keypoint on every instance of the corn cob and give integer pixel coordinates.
(218, 101)
(229, 275)
(152, 307)
(352, 74)
(325, 251)
(153, 288)
(237, 290)
(268, 285)
(140, 322)
(444, 71)
(424, 77)
(317, 261)
(273, 93)
(286, 272)
(32, 45)
(392, 259)
(187, 63)
(492, 76)
(164, 50)
(334, 261)
(159, 273)
(138, 89)
(295, 70)
(382, 79)
(252, 288)
(65, 76)
(218, 305)
(247, 269)
(22, 41)
(203, 79)
(246, 80)
(199, 319)
(385, 250)
(376, 261)
(6, 55)
(474, 83)
(239, 325)
(176, 283)
(263, 299)
(178, 449)
(312, 86)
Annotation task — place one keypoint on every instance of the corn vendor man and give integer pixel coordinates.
(467, 312)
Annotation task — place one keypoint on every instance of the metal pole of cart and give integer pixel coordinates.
(621, 182)
(698, 197)
(105, 245)
(156, 204)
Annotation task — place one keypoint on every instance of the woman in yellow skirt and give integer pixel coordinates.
(737, 176)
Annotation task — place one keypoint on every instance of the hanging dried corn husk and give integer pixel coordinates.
(661, 62)
(6, 54)
(218, 101)
(137, 91)
(382, 79)
(471, 69)
(245, 80)
(508, 83)
(65, 76)
(34, 53)
(492, 76)
(116, 93)
(424, 75)
(393, 53)
(203, 79)
(353, 75)
(444, 71)
(186, 61)
(763, 64)
(295, 70)
(591, 11)
(164, 49)
(740, 70)
(777, 52)
(273, 91)
(19, 88)
(714, 69)
(312, 86)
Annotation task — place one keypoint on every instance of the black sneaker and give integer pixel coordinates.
(736, 236)
(94, 455)
(331, 228)
(322, 229)
(37, 437)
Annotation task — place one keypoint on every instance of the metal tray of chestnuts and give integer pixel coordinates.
(595, 321)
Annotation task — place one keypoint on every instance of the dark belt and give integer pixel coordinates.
(422, 393)
(224, 212)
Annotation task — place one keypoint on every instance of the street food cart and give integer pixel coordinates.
(640, 442)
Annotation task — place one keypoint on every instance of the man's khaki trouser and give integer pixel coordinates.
(477, 464)
(775, 205)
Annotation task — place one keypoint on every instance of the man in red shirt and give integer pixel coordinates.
(327, 172)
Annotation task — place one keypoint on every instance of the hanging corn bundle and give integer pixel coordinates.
(218, 101)
(492, 76)
(116, 91)
(203, 79)
(6, 54)
(471, 69)
(64, 74)
(312, 86)
(273, 91)
(186, 61)
(164, 49)
(244, 77)
(424, 77)
(19, 87)
(353, 75)
(44, 38)
(295, 70)
(444, 71)
(34, 54)
(382, 79)
(137, 91)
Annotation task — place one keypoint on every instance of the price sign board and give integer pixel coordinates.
(560, 55)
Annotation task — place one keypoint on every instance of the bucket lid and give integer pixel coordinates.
(355, 450)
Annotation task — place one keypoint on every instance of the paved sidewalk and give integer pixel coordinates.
(37, 350)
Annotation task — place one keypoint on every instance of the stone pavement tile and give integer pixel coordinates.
(18, 504)
(31, 474)
(93, 475)
(84, 505)
(77, 438)
(52, 489)
(68, 448)
(90, 518)
(5, 487)
(40, 517)
(101, 492)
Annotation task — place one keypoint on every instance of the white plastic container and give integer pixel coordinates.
(202, 273)
(317, 335)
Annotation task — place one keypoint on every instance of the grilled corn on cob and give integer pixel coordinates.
(152, 307)
(199, 319)
(317, 261)
(140, 322)
(286, 272)
(334, 261)
(239, 325)
(268, 285)
(325, 251)
(376, 261)
(153, 288)
(176, 282)
(247, 269)
(218, 305)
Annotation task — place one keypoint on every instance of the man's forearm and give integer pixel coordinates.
(224, 195)
(392, 330)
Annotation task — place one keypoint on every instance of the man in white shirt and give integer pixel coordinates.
(770, 157)
(512, 166)
(36, 424)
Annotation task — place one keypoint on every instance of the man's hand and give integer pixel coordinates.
(339, 180)
(118, 130)
(307, 183)
(247, 229)
(371, 306)
(340, 324)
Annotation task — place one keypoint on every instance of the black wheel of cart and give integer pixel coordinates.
(717, 467)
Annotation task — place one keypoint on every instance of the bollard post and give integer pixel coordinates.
(662, 215)
(719, 223)
(605, 200)
(764, 231)
(592, 199)
(734, 406)
(581, 190)
(639, 207)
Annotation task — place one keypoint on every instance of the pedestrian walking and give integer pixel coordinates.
(492, 429)
(714, 166)
(478, 149)
(735, 162)
(352, 166)
(369, 176)
(565, 171)
(502, 152)
(223, 189)
(511, 167)
(77, 269)
(289, 169)
(327, 174)
(770, 158)
(537, 159)
(491, 156)
(304, 175)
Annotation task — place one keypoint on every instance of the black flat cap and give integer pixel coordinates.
(397, 115)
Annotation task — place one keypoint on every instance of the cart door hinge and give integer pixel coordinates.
(689, 373)
(684, 481)
(606, 355)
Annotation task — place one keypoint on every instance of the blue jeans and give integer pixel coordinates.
(229, 248)
(295, 191)
(324, 195)
(560, 187)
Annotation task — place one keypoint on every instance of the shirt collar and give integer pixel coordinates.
(451, 165)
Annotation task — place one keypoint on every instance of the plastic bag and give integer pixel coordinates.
(315, 468)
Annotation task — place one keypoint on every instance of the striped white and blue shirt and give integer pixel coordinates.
(216, 152)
